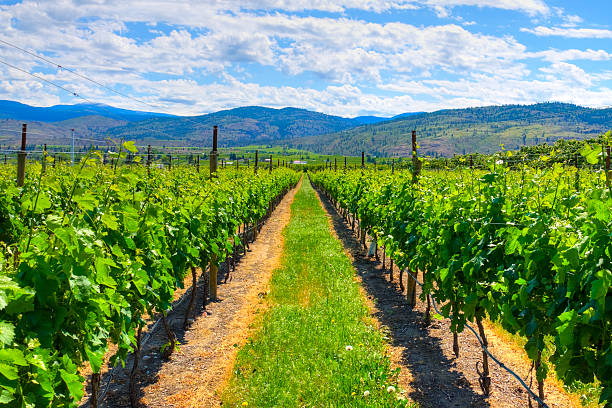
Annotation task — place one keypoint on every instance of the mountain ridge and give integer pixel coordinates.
(441, 133)
(57, 113)
(459, 131)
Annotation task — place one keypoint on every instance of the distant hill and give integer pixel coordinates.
(405, 115)
(239, 126)
(87, 129)
(441, 133)
(460, 131)
(368, 120)
(58, 113)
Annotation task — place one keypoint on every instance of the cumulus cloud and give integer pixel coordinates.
(554, 55)
(567, 32)
(558, 82)
(196, 59)
(530, 7)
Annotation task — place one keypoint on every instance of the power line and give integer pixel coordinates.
(73, 93)
(45, 80)
(77, 74)
(94, 81)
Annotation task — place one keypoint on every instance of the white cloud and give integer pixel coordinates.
(542, 31)
(572, 55)
(328, 47)
(566, 72)
(562, 83)
(530, 7)
(363, 67)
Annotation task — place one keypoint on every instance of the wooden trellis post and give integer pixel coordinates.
(416, 167)
(214, 156)
(21, 157)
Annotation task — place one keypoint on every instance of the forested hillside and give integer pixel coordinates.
(460, 131)
(240, 126)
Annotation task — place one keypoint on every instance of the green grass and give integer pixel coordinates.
(299, 356)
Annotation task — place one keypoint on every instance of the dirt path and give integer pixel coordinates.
(196, 373)
(430, 373)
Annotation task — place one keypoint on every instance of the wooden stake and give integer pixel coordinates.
(21, 157)
(95, 390)
(214, 155)
(256, 160)
(411, 289)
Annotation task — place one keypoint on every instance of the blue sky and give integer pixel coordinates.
(349, 58)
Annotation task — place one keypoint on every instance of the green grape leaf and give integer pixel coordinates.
(73, 382)
(591, 155)
(109, 221)
(103, 273)
(130, 146)
(9, 372)
(7, 332)
(566, 329)
(6, 397)
(95, 359)
(14, 356)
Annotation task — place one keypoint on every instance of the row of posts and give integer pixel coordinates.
(213, 161)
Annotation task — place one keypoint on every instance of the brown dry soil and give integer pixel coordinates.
(196, 373)
(430, 374)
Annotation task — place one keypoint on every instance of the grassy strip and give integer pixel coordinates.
(316, 345)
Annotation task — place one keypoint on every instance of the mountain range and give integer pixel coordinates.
(460, 131)
(239, 126)
(58, 113)
(440, 133)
